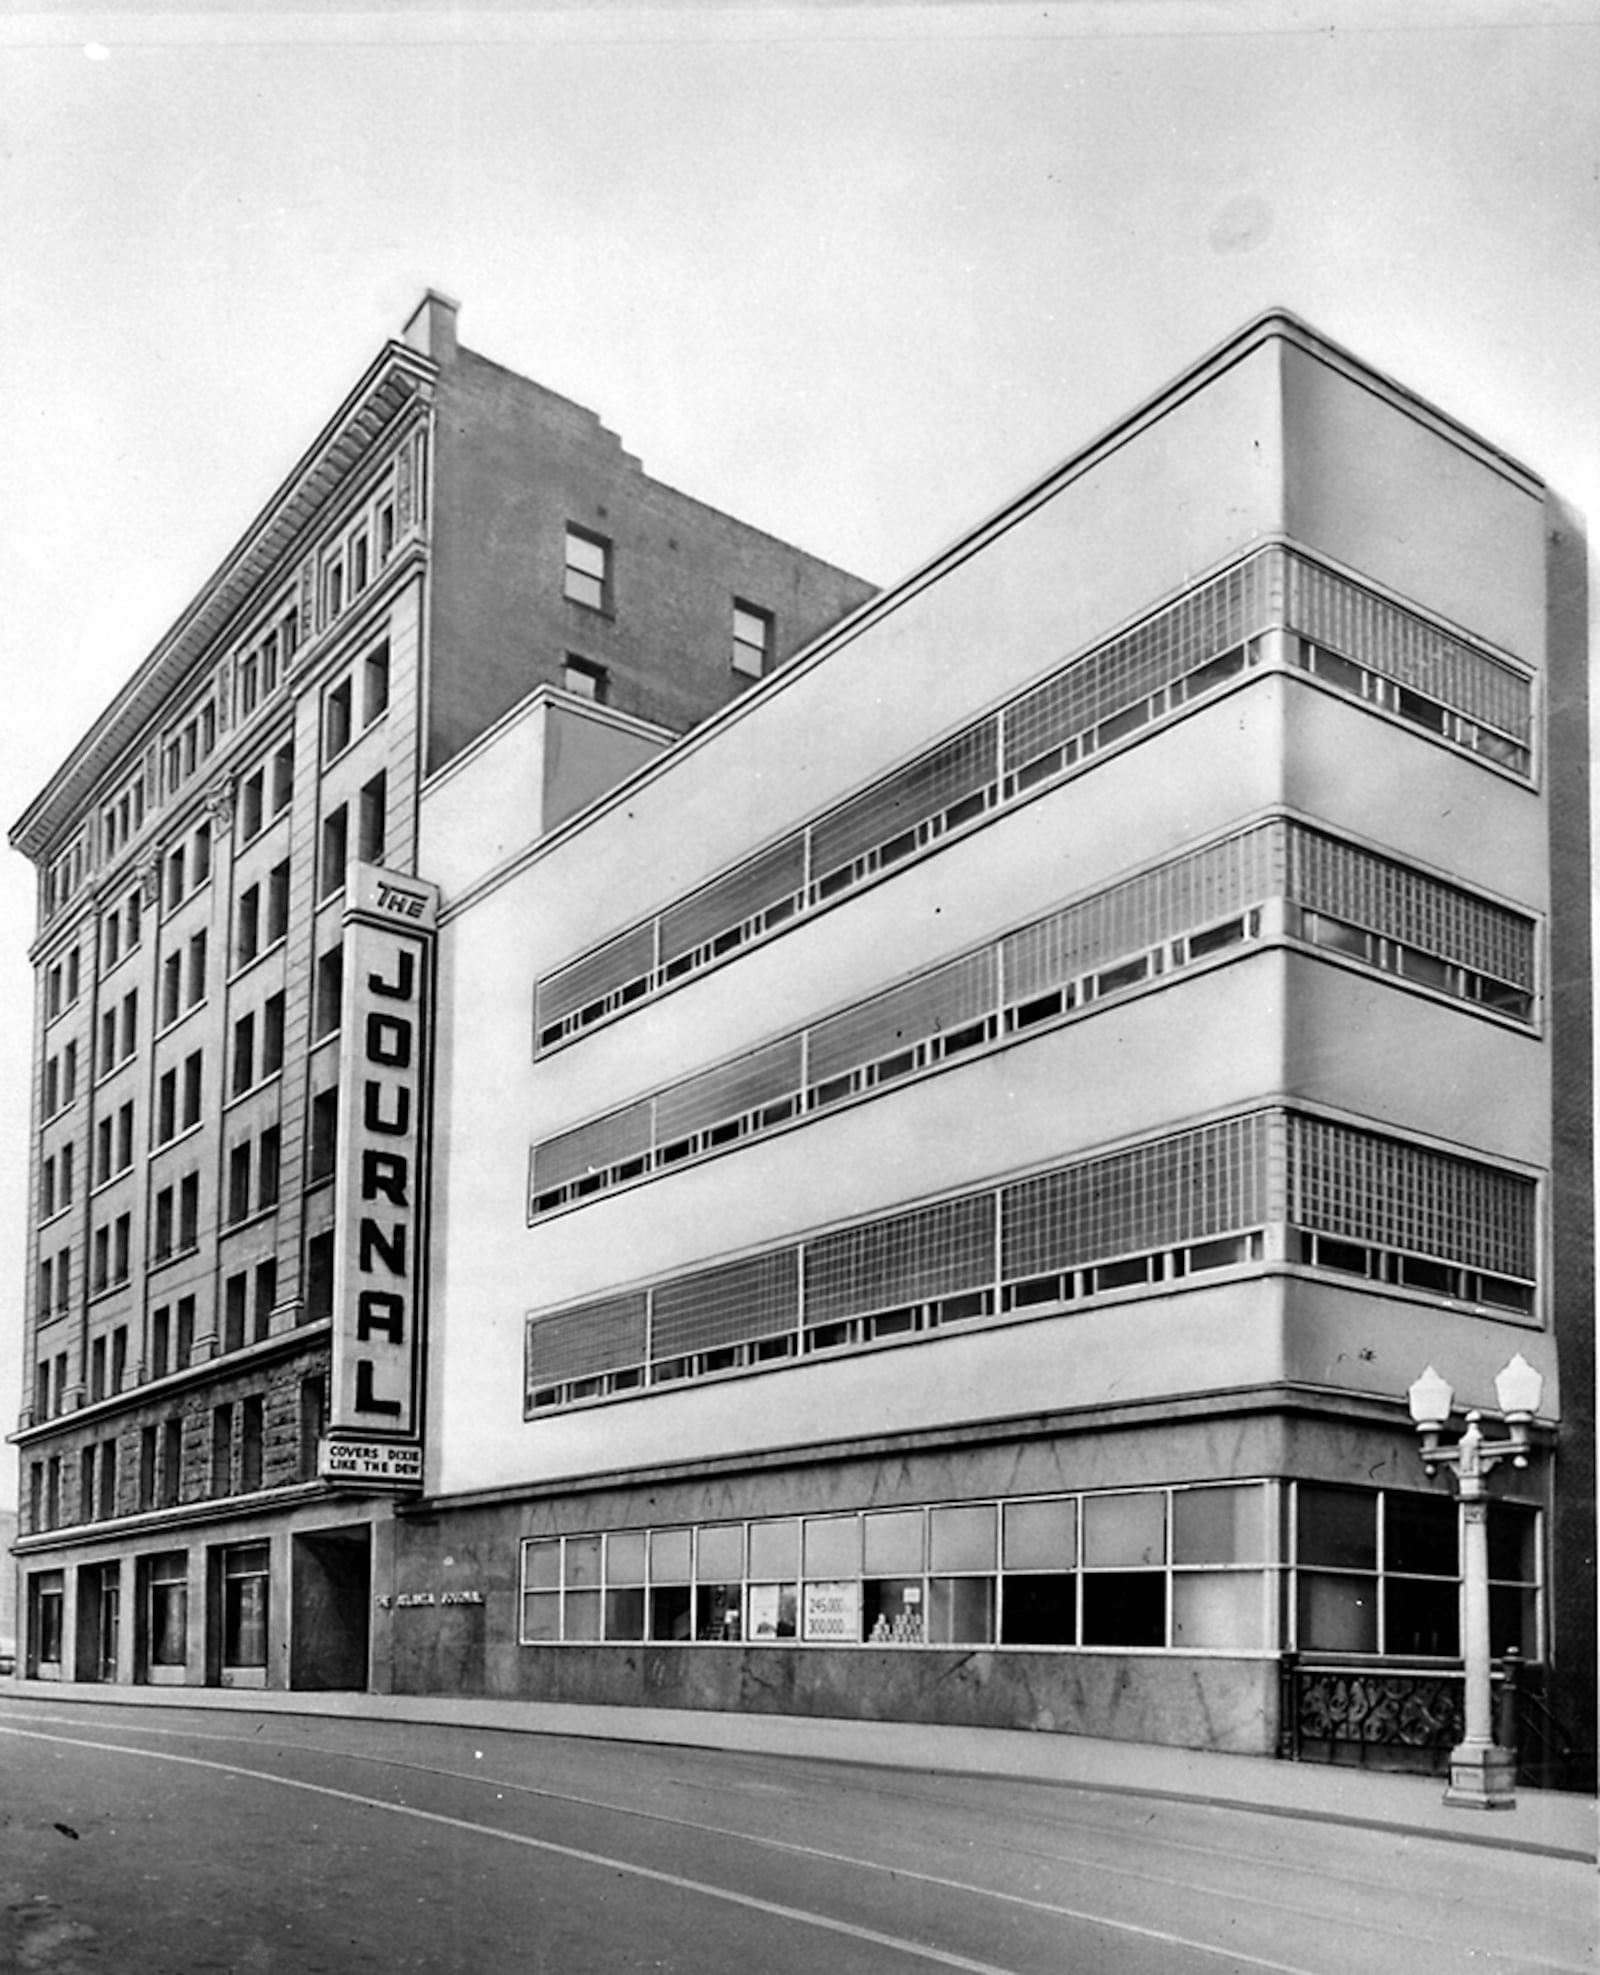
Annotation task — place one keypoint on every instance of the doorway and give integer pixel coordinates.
(332, 1599)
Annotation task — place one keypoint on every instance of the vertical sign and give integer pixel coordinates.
(379, 1258)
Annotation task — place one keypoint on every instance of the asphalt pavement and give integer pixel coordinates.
(1559, 1824)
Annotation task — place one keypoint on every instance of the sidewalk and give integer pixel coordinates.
(1545, 1821)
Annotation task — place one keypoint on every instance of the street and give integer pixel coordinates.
(165, 1841)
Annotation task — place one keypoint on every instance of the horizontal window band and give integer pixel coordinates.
(1426, 933)
(1348, 637)
(1266, 1188)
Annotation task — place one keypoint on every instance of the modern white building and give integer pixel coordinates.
(986, 1130)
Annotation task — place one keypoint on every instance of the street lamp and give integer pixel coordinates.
(1482, 1774)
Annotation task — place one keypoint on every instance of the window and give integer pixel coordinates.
(167, 1590)
(185, 1338)
(252, 1423)
(161, 1239)
(166, 1107)
(266, 1296)
(1155, 1568)
(588, 570)
(171, 989)
(47, 1195)
(385, 532)
(358, 564)
(329, 991)
(108, 1480)
(130, 1023)
(123, 1154)
(375, 685)
(584, 679)
(752, 640)
(245, 1578)
(69, 1074)
(244, 1053)
(110, 940)
(235, 1307)
(202, 855)
(149, 1444)
(247, 926)
(267, 1159)
(222, 1450)
(108, 1040)
(335, 850)
(319, 1276)
(252, 805)
(102, 1151)
(97, 1370)
(171, 1461)
(332, 588)
(191, 1089)
(282, 778)
(324, 1134)
(272, 1034)
(1380, 1573)
(173, 894)
(66, 1163)
(239, 1183)
(46, 1604)
(277, 922)
(160, 1340)
(189, 1211)
(197, 969)
(336, 720)
(372, 819)
(313, 1415)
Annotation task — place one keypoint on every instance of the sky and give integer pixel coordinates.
(854, 273)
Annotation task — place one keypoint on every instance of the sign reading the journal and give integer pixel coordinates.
(379, 1257)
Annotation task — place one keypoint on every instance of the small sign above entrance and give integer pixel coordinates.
(370, 1460)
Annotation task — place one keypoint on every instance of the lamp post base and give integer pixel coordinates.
(1482, 1777)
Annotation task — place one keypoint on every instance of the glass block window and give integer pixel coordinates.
(729, 1305)
(743, 1089)
(581, 1344)
(1211, 621)
(1385, 1193)
(594, 981)
(950, 999)
(1186, 1188)
(1361, 889)
(946, 784)
(934, 1252)
(1390, 641)
(711, 917)
(592, 1149)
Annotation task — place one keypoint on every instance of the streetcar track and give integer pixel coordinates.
(1509, 1958)
(1223, 1854)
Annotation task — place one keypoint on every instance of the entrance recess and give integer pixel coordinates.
(332, 1598)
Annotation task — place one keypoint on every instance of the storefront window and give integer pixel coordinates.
(244, 1605)
(167, 1617)
(1197, 1568)
(46, 1598)
(1124, 1583)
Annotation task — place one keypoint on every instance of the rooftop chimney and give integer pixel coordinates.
(432, 328)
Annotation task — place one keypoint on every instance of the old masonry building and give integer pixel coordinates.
(921, 1194)
(222, 860)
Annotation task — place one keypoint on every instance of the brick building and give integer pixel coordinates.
(457, 550)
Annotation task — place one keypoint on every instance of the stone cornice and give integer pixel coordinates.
(398, 377)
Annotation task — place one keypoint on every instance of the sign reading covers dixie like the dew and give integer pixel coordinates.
(379, 1263)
